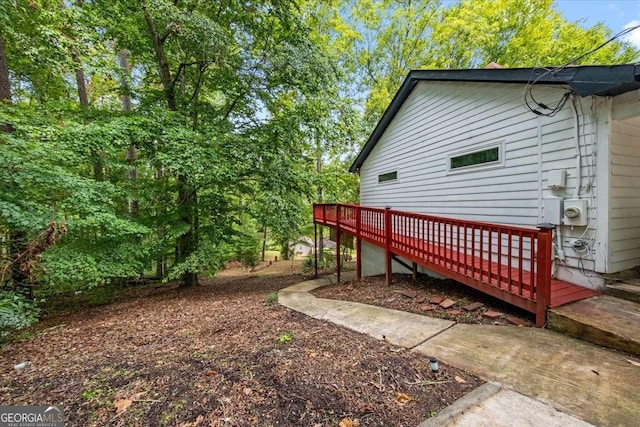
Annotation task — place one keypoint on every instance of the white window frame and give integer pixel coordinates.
(480, 166)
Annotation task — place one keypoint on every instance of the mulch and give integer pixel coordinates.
(219, 354)
(445, 299)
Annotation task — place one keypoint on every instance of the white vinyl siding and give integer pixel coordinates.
(624, 224)
(440, 118)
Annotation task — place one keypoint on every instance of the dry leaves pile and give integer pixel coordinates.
(213, 355)
(445, 299)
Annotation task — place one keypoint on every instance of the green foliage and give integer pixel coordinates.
(286, 337)
(16, 312)
(326, 261)
(242, 114)
(388, 39)
(245, 244)
(272, 298)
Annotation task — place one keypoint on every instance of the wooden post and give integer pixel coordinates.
(414, 271)
(358, 244)
(338, 254)
(543, 269)
(388, 226)
(315, 247)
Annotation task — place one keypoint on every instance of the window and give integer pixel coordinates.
(391, 176)
(487, 156)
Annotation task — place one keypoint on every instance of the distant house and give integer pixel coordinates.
(328, 243)
(520, 147)
(303, 246)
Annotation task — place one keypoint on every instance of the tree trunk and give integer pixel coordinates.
(187, 197)
(161, 58)
(83, 99)
(187, 243)
(319, 170)
(82, 84)
(132, 173)
(17, 238)
(161, 262)
(5, 83)
(264, 242)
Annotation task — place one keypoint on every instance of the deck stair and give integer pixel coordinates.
(628, 289)
(604, 320)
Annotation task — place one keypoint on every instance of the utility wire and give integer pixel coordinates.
(550, 111)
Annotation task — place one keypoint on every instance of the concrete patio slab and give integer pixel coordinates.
(309, 285)
(397, 327)
(491, 406)
(590, 382)
(306, 303)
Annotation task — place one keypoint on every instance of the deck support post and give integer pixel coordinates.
(358, 244)
(388, 227)
(338, 238)
(315, 248)
(543, 270)
(414, 271)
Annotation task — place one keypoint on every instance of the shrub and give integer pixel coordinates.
(272, 297)
(327, 261)
(16, 312)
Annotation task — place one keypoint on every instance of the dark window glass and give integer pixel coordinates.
(391, 176)
(477, 158)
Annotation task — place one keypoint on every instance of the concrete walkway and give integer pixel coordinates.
(537, 377)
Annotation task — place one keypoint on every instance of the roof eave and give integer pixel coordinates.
(585, 81)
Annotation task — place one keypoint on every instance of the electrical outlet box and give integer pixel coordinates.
(553, 210)
(575, 212)
(556, 179)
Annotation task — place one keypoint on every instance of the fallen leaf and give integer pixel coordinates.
(247, 391)
(402, 398)
(348, 422)
(122, 405)
(460, 379)
(211, 372)
(633, 362)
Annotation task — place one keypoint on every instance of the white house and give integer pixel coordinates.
(302, 247)
(521, 147)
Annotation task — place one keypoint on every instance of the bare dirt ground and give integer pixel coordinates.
(429, 297)
(220, 355)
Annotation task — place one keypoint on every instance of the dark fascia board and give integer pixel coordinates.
(609, 80)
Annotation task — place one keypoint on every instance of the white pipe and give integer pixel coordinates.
(577, 140)
(560, 248)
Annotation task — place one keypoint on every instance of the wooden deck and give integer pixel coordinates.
(495, 259)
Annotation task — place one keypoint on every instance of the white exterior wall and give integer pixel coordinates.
(441, 118)
(374, 263)
(624, 188)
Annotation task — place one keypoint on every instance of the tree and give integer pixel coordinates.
(518, 33)
(395, 37)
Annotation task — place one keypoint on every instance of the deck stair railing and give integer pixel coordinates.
(511, 263)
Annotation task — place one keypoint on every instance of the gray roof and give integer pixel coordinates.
(598, 80)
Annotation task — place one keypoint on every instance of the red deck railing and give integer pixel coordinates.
(508, 262)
